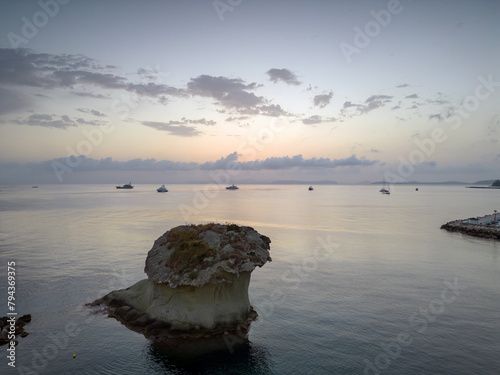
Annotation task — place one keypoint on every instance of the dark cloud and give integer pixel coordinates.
(323, 100)
(402, 85)
(283, 75)
(412, 96)
(229, 92)
(23, 67)
(53, 121)
(229, 162)
(233, 94)
(173, 127)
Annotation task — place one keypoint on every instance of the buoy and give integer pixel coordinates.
(74, 355)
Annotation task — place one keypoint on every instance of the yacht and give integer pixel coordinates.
(126, 186)
(311, 188)
(232, 187)
(162, 189)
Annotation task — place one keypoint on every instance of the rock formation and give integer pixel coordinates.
(8, 328)
(197, 285)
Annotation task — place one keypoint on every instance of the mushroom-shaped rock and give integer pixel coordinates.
(197, 286)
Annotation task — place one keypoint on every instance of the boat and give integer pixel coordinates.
(162, 189)
(385, 188)
(35, 187)
(311, 188)
(232, 187)
(126, 186)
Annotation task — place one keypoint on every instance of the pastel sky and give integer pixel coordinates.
(261, 90)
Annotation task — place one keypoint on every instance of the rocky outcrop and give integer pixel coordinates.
(13, 326)
(197, 285)
(476, 230)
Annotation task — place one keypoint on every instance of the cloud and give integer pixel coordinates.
(240, 118)
(284, 75)
(316, 119)
(173, 127)
(53, 121)
(402, 85)
(349, 105)
(24, 67)
(229, 162)
(233, 94)
(229, 92)
(323, 100)
(92, 112)
(436, 116)
(412, 96)
(376, 98)
(201, 121)
(285, 162)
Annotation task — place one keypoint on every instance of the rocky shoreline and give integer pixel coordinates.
(484, 231)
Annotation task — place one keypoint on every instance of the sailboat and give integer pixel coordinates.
(385, 188)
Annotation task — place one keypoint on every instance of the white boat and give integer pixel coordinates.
(162, 189)
(385, 188)
(126, 186)
(232, 187)
(311, 188)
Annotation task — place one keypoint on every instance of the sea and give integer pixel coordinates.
(359, 283)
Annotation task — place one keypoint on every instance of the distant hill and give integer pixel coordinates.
(422, 183)
(484, 182)
(294, 182)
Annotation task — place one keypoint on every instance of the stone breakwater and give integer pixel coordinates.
(197, 285)
(476, 230)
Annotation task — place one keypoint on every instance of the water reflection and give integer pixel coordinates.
(209, 357)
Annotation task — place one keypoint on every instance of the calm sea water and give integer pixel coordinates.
(360, 283)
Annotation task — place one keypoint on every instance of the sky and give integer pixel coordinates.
(249, 91)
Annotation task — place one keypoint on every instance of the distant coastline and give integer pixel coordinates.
(494, 185)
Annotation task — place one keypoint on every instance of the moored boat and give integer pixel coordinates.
(126, 186)
(162, 189)
(232, 187)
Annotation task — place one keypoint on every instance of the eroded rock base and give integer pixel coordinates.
(166, 314)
